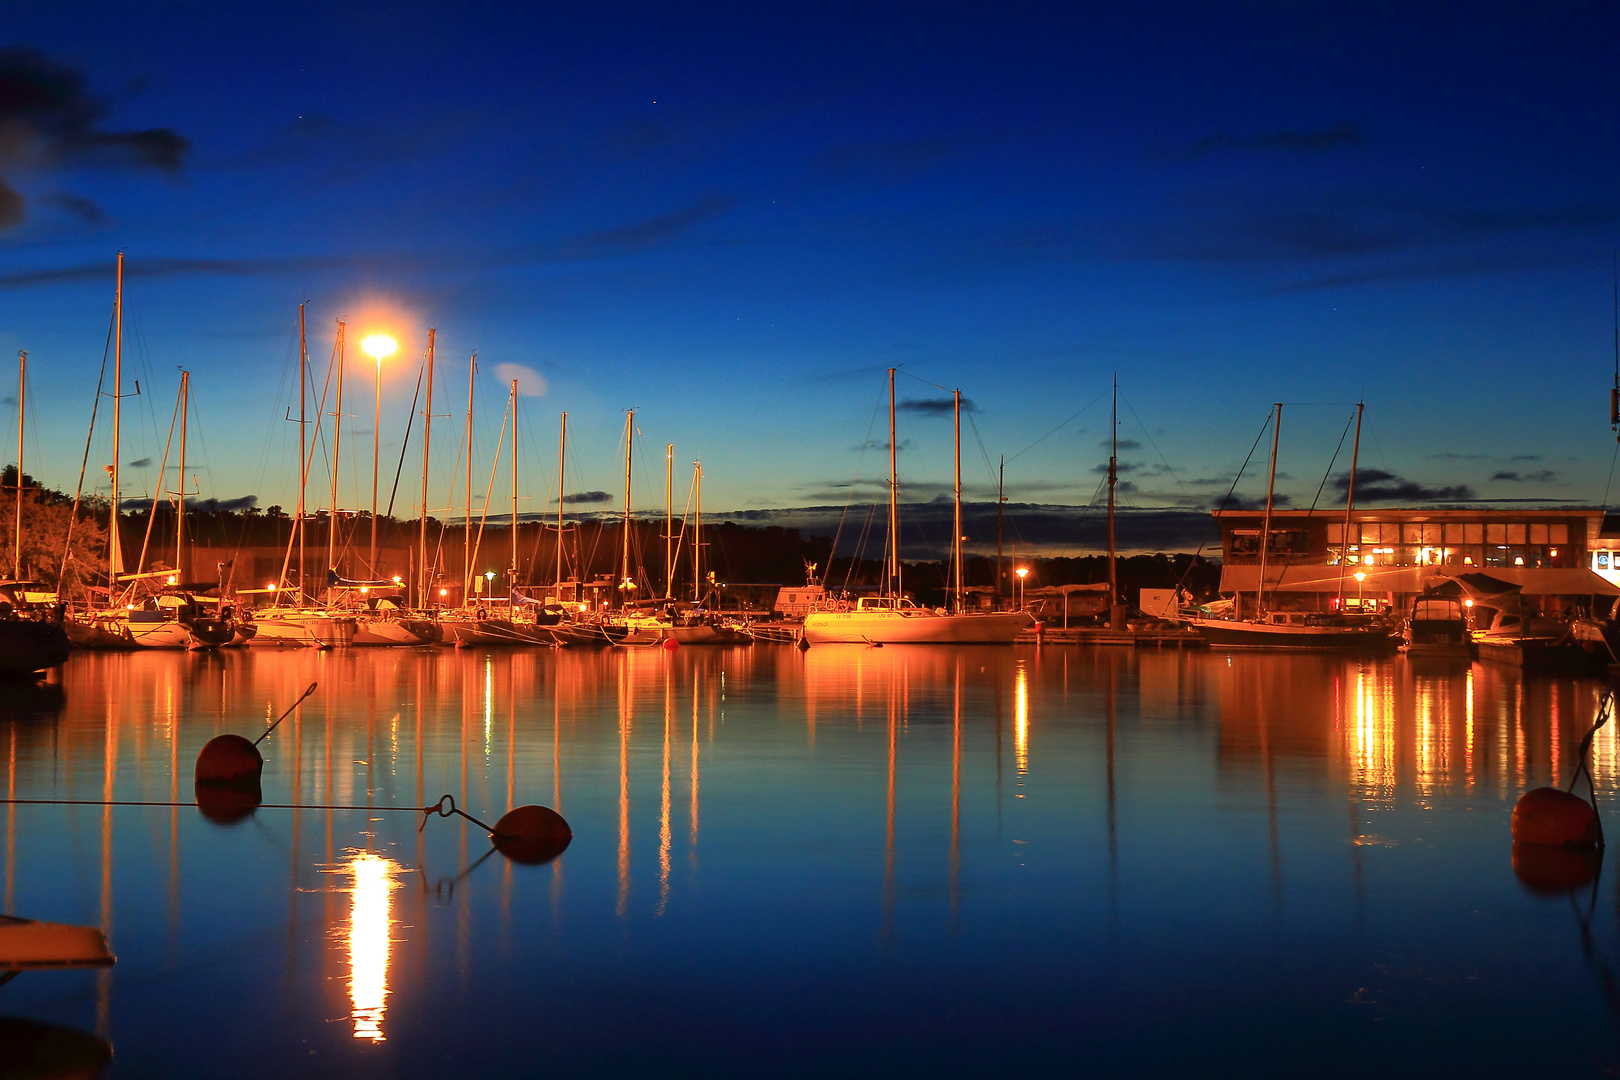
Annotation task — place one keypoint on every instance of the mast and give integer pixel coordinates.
(115, 555)
(180, 507)
(1113, 477)
(1265, 525)
(669, 521)
(466, 521)
(956, 536)
(697, 532)
(624, 565)
(1349, 503)
(511, 574)
(425, 583)
(376, 446)
(562, 461)
(894, 501)
(1001, 476)
(22, 397)
(303, 453)
(337, 458)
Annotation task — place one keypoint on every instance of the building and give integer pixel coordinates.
(1385, 556)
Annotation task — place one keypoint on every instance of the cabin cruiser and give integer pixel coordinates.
(1437, 628)
(31, 634)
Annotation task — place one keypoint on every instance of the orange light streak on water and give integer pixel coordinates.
(369, 923)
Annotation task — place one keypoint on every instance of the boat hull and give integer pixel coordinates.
(914, 628)
(314, 630)
(494, 632)
(1230, 634)
(27, 647)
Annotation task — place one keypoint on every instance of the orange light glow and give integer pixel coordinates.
(379, 347)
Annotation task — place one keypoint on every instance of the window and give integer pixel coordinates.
(1496, 534)
(1538, 534)
(1515, 534)
(1558, 534)
(1454, 535)
(1473, 534)
(1411, 533)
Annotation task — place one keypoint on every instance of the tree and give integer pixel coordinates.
(45, 518)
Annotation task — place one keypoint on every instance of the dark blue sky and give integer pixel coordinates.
(733, 218)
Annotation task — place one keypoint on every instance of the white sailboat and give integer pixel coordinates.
(892, 618)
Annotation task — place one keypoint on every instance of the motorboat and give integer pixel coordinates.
(1437, 628)
(31, 634)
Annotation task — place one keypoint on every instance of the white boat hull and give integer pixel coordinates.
(313, 630)
(914, 627)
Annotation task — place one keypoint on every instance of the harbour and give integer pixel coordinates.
(872, 844)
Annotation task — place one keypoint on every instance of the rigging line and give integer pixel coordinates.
(989, 472)
(866, 444)
(78, 492)
(163, 467)
(1057, 429)
(1228, 498)
(1319, 489)
(495, 464)
(415, 399)
(1155, 446)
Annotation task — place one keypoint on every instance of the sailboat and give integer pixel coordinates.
(31, 635)
(172, 618)
(892, 618)
(1292, 629)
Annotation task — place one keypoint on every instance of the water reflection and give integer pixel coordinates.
(369, 942)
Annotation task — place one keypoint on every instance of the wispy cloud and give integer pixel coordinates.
(1339, 135)
(934, 406)
(585, 498)
(1376, 485)
(530, 383)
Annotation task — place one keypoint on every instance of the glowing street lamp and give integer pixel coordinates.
(1022, 572)
(1360, 577)
(378, 347)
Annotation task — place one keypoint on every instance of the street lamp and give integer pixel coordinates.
(378, 347)
(1022, 572)
(1360, 577)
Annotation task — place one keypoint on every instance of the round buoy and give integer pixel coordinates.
(671, 643)
(532, 834)
(228, 759)
(228, 804)
(1553, 871)
(1554, 818)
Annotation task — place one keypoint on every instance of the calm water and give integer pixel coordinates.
(849, 861)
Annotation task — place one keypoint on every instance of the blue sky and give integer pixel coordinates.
(734, 218)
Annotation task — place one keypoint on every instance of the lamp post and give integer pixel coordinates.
(1022, 572)
(377, 346)
(1360, 577)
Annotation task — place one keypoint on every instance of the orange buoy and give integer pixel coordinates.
(1554, 818)
(532, 834)
(1553, 871)
(671, 643)
(228, 759)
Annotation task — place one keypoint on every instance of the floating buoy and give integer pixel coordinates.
(228, 759)
(1553, 871)
(227, 804)
(532, 834)
(671, 643)
(1553, 818)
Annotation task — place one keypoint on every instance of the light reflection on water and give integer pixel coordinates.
(876, 844)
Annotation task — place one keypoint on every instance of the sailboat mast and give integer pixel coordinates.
(562, 462)
(511, 574)
(1113, 477)
(697, 532)
(624, 563)
(337, 456)
(669, 521)
(303, 451)
(1265, 524)
(180, 506)
(22, 396)
(956, 536)
(114, 554)
(1001, 477)
(425, 576)
(894, 501)
(466, 521)
(1349, 503)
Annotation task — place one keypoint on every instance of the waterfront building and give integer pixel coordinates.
(1381, 558)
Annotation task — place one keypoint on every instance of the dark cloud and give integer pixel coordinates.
(585, 498)
(876, 444)
(1243, 502)
(1339, 135)
(1525, 457)
(1448, 456)
(80, 207)
(141, 463)
(1123, 444)
(1119, 467)
(1540, 476)
(1376, 485)
(49, 118)
(934, 406)
(600, 244)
